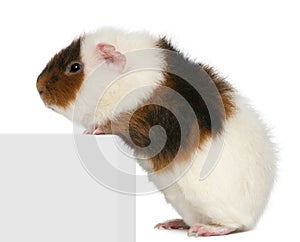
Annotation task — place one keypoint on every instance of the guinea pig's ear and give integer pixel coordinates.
(114, 59)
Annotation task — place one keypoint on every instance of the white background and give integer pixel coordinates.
(255, 44)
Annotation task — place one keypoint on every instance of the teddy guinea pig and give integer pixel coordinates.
(102, 81)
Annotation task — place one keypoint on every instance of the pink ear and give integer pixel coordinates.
(114, 59)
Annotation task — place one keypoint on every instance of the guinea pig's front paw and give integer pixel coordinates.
(94, 131)
(209, 230)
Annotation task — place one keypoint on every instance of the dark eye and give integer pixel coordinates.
(75, 67)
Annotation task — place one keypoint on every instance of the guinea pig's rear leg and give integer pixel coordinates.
(210, 230)
(172, 224)
(174, 196)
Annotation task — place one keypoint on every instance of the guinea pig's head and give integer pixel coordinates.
(93, 79)
(62, 78)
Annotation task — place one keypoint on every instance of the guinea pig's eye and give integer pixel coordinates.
(74, 67)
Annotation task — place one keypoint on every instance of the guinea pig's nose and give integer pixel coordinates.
(41, 92)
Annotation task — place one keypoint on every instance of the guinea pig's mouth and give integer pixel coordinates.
(51, 107)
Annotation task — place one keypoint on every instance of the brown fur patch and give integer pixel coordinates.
(55, 86)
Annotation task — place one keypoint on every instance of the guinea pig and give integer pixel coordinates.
(193, 113)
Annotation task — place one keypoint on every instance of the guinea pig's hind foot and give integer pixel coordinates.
(172, 224)
(210, 230)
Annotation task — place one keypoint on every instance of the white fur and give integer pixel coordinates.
(236, 192)
(106, 93)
